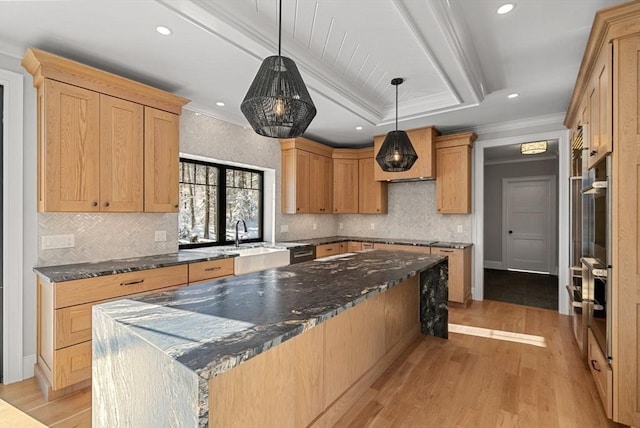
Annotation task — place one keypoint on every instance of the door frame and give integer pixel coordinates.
(563, 208)
(551, 179)
(12, 224)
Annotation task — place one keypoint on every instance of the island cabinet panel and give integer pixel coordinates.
(161, 160)
(281, 388)
(313, 378)
(453, 178)
(423, 140)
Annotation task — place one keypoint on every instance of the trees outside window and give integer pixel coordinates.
(213, 197)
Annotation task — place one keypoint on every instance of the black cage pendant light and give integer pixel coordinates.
(278, 104)
(397, 153)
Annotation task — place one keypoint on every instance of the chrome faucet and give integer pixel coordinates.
(245, 231)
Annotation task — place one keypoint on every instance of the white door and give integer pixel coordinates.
(528, 223)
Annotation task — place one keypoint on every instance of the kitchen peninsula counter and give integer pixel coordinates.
(157, 357)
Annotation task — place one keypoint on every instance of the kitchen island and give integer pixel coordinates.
(282, 347)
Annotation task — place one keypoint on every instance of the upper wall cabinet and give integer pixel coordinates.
(100, 137)
(307, 177)
(423, 140)
(453, 180)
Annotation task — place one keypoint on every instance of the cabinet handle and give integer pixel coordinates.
(106, 204)
(297, 209)
(134, 282)
(175, 206)
(595, 365)
(329, 249)
(94, 204)
(446, 251)
(378, 209)
(212, 268)
(593, 152)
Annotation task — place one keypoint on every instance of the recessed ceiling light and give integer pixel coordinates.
(165, 31)
(505, 8)
(513, 95)
(358, 128)
(220, 104)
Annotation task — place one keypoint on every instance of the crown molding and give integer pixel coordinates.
(226, 116)
(549, 119)
(448, 17)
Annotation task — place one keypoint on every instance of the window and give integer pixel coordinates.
(213, 197)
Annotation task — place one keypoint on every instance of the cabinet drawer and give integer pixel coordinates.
(367, 245)
(408, 248)
(122, 284)
(210, 269)
(71, 365)
(354, 246)
(328, 250)
(602, 374)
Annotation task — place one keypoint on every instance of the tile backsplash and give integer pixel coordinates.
(106, 236)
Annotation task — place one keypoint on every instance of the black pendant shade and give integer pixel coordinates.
(396, 153)
(278, 104)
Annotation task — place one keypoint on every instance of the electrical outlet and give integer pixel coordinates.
(161, 235)
(50, 242)
(460, 230)
(284, 228)
(340, 226)
(373, 226)
(314, 226)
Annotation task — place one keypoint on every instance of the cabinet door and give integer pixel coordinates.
(459, 272)
(69, 174)
(345, 186)
(600, 109)
(453, 182)
(121, 155)
(372, 195)
(320, 184)
(161, 157)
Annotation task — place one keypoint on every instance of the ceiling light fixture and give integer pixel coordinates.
(505, 8)
(533, 148)
(358, 128)
(220, 104)
(513, 96)
(278, 104)
(165, 31)
(397, 153)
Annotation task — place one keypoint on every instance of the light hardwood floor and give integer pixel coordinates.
(466, 381)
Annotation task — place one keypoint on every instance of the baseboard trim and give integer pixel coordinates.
(492, 264)
(27, 366)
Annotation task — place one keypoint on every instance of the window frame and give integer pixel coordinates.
(221, 195)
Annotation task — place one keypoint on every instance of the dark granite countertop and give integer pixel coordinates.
(213, 326)
(71, 272)
(415, 242)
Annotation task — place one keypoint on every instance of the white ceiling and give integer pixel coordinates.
(459, 58)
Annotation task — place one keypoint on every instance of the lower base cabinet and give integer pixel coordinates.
(459, 272)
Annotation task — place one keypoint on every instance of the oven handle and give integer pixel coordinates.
(305, 254)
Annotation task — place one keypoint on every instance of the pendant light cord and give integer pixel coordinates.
(280, 28)
(396, 107)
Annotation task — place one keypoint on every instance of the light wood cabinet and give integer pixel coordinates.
(320, 184)
(306, 178)
(459, 272)
(345, 185)
(372, 194)
(333, 249)
(453, 179)
(211, 269)
(64, 321)
(609, 76)
(161, 160)
(93, 129)
(599, 97)
(422, 140)
(353, 246)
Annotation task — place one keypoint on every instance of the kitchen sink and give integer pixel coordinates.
(257, 258)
